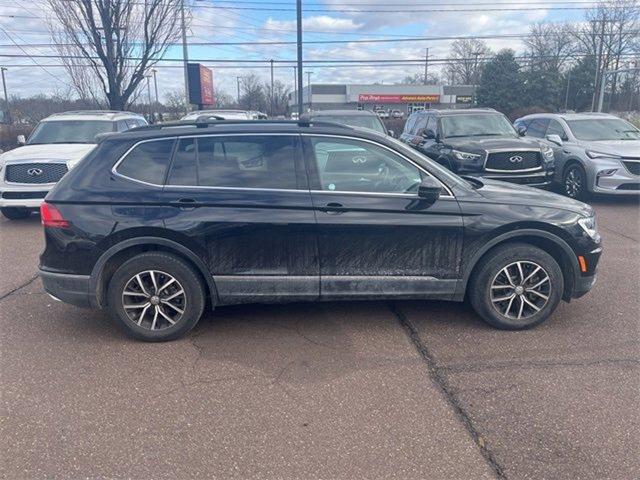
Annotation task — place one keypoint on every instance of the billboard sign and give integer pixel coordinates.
(200, 85)
(464, 98)
(395, 98)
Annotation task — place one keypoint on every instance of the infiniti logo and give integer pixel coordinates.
(359, 159)
(34, 172)
(516, 159)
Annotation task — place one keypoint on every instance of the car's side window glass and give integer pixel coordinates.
(556, 129)
(247, 162)
(121, 126)
(148, 161)
(408, 128)
(537, 127)
(183, 169)
(421, 124)
(432, 124)
(354, 166)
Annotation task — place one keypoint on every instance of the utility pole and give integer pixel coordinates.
(238, 82)
(603, 82)
(155, 84)
(426, 66)
(271, 96)
(6, 97)
(185, 56)
(566, 95)
(475, 78)
(598, 67)
(309, 96)
(151, 115)
(299, 41)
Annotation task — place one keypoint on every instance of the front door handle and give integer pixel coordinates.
(333, 208)
(186, 204)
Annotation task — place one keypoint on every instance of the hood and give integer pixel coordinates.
(510, 193)
(475, 144)
(67, 152)
(624, 148)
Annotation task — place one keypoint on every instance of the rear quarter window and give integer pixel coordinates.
(147, 162)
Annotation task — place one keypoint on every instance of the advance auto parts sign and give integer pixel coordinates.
(375, 98)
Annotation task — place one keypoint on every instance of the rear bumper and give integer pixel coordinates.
(73, 289)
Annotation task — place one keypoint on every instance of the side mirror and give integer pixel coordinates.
(429, 190)
(21, 140)
(429, 134)
(392, 133)
(522, 130)
(554, 138)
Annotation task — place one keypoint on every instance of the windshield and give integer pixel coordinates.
(69, 131)
(365, 121)
(476, 125)
(603, 129)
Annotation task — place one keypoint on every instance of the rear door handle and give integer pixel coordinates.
(186, 204)
(333, 208)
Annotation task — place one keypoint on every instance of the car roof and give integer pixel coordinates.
(461, 111)
(570, 116)
(106, 115)
(179, 129)
(345, 112)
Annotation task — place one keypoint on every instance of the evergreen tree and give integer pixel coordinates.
(501, 85)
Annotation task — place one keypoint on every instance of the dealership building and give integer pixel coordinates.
(406, 98)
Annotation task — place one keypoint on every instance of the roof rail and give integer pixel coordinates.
(95, 112)
(206, 123)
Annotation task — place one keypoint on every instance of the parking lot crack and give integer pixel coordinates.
(439, 377)
(18, 288)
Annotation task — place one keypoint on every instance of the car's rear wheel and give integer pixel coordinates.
(156, 297)
(15, 213)
(516, 286)
(574, 182)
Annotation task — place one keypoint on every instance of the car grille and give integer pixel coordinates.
(513, 161)
(35, 172)
(629, 186)
(632, 167)
(23, 195)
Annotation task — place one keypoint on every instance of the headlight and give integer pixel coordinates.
(588, 224)
(465, 155)
(594, 154)
(547, 152)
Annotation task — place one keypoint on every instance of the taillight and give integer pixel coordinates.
(51, 216)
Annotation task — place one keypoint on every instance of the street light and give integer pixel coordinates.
(151, 116)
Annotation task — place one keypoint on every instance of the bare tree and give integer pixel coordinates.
(253, 96)
(551, 46)
(120, 40)
(280, 97)
(418, 79)
(466, 60)
(174, 103)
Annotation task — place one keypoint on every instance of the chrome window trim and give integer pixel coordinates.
(445, 186)
(48, 162)
(524, 170)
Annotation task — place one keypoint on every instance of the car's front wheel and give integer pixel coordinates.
(15, 213)
(156, 297)
(574, 182)
(516, 286)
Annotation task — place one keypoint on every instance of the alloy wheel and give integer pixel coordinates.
(573, 182)
(520, 290)
(154, 300)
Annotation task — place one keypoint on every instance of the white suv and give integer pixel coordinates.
(57, 144)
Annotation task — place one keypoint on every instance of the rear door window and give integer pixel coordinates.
(236, 162)
(148, 161)
(537, 127)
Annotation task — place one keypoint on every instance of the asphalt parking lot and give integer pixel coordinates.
(335, 390)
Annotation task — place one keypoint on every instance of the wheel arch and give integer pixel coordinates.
(547, 241)
(109, 261)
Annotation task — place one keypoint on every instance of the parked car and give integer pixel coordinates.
(397, 114)
(164, 222)
(55, 146)
(352, 118)
(222, 114)
(594, 152)
(382, 113)
(480, 142)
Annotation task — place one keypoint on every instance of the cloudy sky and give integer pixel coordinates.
(24, 31)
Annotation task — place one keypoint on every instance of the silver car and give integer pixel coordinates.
(594, 152)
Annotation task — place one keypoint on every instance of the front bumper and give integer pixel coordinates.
(583, 285)
(73, 289)
(620, 183)
(28, 196)
(538, 179)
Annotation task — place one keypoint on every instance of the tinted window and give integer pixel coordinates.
(556, 129)
(353, 166)
(421, 124)
(148, 161)
(242, 162)
(537, 127)
(408, 127)
(371, 122)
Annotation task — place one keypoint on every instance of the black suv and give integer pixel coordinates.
(480, 142)
(161, 221)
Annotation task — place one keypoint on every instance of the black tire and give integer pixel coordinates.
(574, 182)
(490, 272)
(192, 301)
(15, 213)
